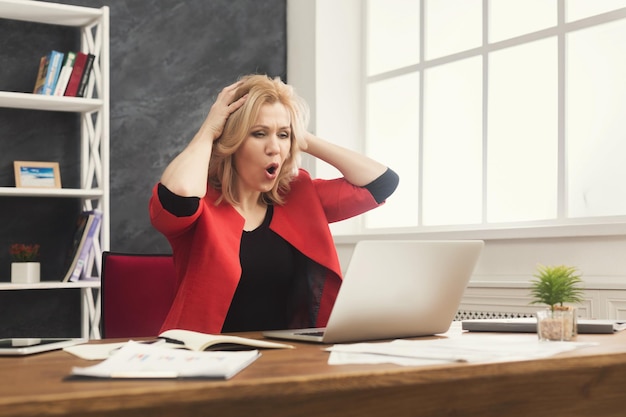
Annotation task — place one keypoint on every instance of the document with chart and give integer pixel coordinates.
(140, 360)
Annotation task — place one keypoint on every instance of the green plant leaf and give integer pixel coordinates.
(555, 285)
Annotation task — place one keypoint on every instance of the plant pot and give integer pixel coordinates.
(25, 272)
(559, 324)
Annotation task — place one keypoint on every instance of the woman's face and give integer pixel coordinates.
(260, 157)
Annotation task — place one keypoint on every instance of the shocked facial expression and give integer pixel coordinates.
(260, 158)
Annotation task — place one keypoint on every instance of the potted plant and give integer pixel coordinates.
(24, 269)
(553, 286)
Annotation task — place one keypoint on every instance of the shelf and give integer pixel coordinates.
(93, 25)
(49, 285)
(49, 13)
(49, 103)
(51, 192)
(90, 305)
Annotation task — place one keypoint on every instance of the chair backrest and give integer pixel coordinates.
(137, 293)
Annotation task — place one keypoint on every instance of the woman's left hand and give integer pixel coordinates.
(303, 141)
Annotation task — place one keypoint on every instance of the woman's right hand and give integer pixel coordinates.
(186, 174)
(221, 110)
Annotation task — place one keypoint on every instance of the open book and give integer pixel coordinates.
(177, 339)
(187, 339)
(140, 360)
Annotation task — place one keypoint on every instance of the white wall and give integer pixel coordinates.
(323, 66)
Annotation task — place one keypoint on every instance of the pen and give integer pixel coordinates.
(170, 340)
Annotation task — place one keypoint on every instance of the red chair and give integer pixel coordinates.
(137, 292)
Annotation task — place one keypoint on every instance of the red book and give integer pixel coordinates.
(77, 74)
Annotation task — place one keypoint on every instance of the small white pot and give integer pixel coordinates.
(25, 272)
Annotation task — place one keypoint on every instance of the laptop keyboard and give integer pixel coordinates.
(311, 333)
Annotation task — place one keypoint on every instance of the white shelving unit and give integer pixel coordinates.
(94, 143)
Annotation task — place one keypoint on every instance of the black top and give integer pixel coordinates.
(268, 265)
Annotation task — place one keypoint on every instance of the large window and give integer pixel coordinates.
(500, 114)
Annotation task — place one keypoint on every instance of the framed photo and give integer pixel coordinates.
(37, 174)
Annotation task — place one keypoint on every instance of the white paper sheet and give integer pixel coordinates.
(94, 352)
(100, 351)
(468, 348)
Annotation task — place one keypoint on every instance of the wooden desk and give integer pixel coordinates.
(299, 382)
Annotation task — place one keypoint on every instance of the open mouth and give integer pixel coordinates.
(272, 169)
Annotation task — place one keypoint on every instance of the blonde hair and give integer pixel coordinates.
(261, 90)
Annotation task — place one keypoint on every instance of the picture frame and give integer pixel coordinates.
(35, 174)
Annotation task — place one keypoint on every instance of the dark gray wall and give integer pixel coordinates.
(168, 61)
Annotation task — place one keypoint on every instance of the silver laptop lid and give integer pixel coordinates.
(401, 288)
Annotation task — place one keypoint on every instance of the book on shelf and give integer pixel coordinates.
(79, 228)
(83, 226)
(188, 339)
(52, 67)
(93, 266)
(85, 259)
(80, 68)
(141, 360)
(41, 74)
(84, 79)
(64, 75)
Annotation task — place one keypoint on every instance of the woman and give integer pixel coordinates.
(248, 229)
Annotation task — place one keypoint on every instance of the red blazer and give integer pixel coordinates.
(206, 250)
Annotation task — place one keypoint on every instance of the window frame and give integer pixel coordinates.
(560, 226)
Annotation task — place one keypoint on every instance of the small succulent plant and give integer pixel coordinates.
(555, 285)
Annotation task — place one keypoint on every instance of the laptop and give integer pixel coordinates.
(396, 289)
(529, 325)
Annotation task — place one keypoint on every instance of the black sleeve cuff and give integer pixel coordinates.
(382, 187)
(175, 204)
